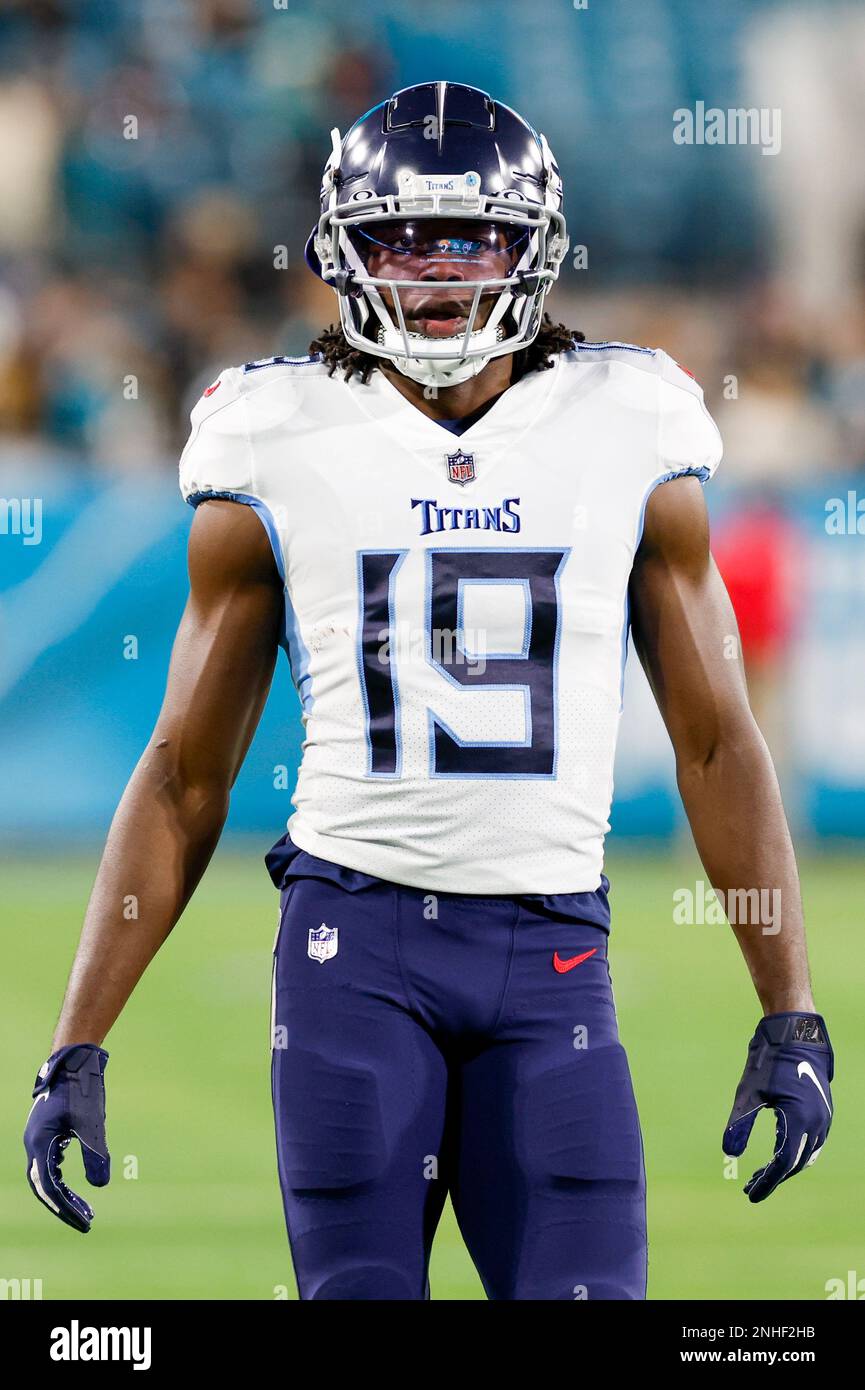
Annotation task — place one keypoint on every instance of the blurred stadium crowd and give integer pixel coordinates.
(154, 153)
(160, 162)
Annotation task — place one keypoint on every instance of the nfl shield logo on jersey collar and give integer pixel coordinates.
(323, 943)
(461, 468)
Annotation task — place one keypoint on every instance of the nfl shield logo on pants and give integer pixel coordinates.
(323, 943)
(461, 467)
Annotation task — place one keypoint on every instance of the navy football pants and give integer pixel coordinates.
(440, 1050)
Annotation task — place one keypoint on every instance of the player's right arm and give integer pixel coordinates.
(166, 826)
(172, 812)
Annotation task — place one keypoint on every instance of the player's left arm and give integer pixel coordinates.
(685, 633)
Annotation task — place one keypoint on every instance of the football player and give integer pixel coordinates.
(450, 515)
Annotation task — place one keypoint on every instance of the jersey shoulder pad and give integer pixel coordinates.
(216, 460)
(654, 361)
(687, 437)
(218, 457)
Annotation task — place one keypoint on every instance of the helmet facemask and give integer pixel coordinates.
(478, 263)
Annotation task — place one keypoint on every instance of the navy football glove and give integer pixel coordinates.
(790, 1064)
(70, 1103)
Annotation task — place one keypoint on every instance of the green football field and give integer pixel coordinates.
(193, 1210)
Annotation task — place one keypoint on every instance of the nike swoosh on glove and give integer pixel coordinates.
(789, 1068)
(69, 1104)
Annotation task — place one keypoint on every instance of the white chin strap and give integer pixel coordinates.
(444, 371)
(441, 371)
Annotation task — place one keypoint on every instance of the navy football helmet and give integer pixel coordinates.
(460, 201)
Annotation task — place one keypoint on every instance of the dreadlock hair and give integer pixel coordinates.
(552, 338)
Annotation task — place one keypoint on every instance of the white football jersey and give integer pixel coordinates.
(456, 606)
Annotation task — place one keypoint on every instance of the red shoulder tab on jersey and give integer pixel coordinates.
(210, 389)
(678, 364)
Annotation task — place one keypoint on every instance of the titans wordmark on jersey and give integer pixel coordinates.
(456, 609)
